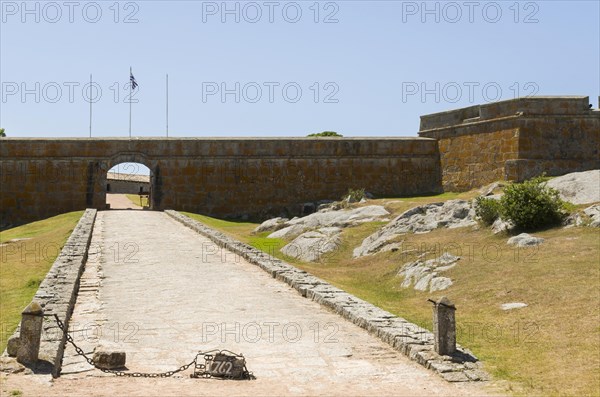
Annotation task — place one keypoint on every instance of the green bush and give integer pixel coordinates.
(487, 209)
(354, 195)
(326, 133)
(532, 204)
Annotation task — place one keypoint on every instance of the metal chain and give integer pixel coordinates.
(122, 373)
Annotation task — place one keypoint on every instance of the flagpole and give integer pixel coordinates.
(91, 105)
(130, 90)
(167, 105)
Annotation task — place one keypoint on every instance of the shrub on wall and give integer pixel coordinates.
(532, 204)
(487, 210)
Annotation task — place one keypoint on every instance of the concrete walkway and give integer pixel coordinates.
(161, 292)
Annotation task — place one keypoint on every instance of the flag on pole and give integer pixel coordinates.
(134, 83)
(91, 87)
(132, 86)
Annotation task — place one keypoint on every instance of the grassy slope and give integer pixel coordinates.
(551, 347)
(24, 264)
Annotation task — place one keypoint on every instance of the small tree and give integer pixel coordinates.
(532, 204)
(326, 133)
(2, 133)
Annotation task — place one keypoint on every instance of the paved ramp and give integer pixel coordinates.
(161, 292)
(119, 201)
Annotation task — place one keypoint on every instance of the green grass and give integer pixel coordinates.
(272, 246)
(241, 228)
(243, 231)
(135, 199)
(24, 264)
(551, 347)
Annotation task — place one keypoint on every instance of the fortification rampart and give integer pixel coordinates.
(457, 150)
(221, 177)
(514, 140)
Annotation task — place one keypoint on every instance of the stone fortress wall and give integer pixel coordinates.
(514, 140)
(222, 177)
(456, 151)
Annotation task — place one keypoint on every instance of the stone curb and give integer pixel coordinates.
(57, 293)
(405, 337)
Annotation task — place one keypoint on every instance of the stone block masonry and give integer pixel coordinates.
(28, 346)
(514, 140)
(40, 178)
(457, 151)
(413, 341)
(58, 291)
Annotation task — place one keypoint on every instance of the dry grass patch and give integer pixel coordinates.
(551, 347)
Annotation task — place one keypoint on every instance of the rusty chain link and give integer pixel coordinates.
(197, 366)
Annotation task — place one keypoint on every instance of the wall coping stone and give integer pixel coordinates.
(536, 105)
(148, 151)
(217, 138)
(405, 337)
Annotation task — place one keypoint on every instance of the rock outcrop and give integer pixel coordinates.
(314, 245)
(421, 219)
(588, 217)
(288, 232)
(500, 226)
(271, 225)
(512, 305)
(525, 240)
(578, 187)
(594, 213)
(423, 275)
(341, 219)
(489, 189)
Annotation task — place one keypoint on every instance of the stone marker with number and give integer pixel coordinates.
(32, 319)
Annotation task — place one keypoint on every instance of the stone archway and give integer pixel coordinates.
(134, 158)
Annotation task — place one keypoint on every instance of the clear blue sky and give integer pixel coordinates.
(374, 59)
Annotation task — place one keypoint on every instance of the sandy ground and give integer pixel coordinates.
(93, 386)
(161, 292)
(120, 202)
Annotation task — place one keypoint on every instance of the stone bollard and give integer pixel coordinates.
(32, 320)
(444, 326)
